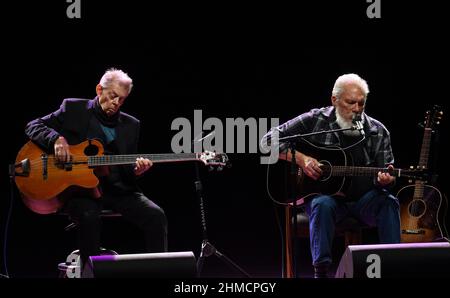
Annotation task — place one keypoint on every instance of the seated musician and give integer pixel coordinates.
(101, 118)
(367, 199)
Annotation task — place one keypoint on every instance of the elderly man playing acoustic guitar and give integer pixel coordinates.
(367, 197)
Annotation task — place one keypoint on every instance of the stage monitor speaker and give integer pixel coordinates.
(396, 260)
(165, 265)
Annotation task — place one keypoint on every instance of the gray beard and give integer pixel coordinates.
(343, 123)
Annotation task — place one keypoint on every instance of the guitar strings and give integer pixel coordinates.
(37, 163)
(124, 156)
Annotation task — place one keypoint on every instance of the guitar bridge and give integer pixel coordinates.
(413, 232)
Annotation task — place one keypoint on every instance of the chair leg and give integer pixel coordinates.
(288, 237)
(347, 238)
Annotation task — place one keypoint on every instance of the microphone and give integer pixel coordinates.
(358, 124)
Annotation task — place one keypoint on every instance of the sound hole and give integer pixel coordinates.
(327, 170)
(91, 150)
(417, 208)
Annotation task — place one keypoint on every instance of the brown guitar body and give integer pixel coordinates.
(37, 187)
(419, 215)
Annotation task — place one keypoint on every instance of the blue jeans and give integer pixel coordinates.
(375, 208)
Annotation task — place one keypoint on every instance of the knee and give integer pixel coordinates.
(88, 217)
(160, 217)
(156, 217)
(386, 200)
(386, 205)
(392, 204)
(323, 203)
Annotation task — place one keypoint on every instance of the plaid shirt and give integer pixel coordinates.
(377, 145)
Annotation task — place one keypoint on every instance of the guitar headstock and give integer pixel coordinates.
(433, 117)
(416, 173)
(213, 159)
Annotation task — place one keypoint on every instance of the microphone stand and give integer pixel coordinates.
(357, 126)
(292, 145)
(207, 249)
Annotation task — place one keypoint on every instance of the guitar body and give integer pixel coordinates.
(327, 184)
(297, 185)
(420, 215)
(37, 186)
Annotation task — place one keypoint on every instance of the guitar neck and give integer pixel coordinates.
(109, 160)
(423, 160)
(425, 149)
(358, 171)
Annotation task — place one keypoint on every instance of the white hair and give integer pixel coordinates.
(350, 78)
(116, 75)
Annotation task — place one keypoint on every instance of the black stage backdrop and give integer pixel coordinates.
(229, 62)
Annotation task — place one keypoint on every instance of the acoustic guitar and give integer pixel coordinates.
(338, 172)
(421, 203)
(40, 177)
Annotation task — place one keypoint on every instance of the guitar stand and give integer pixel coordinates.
(207, 248)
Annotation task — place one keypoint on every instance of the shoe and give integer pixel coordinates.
(321, 271)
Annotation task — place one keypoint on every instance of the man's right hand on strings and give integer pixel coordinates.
(310, 166)
(62, 152)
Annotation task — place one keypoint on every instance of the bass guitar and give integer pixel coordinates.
(40, 177)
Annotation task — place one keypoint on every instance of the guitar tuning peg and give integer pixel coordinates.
(411, 167)
(410, 181)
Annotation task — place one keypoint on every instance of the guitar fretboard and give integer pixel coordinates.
(357, 171)
(425, 150)
(423, 161)
(104, 160)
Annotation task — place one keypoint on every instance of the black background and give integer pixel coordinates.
(229, 60)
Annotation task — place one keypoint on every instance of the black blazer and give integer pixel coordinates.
(75, 121)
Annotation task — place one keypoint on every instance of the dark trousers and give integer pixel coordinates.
(134, 207)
